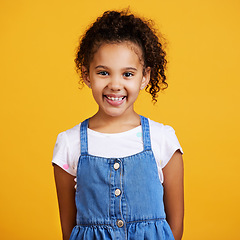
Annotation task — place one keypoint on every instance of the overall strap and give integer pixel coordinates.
(83, 137)
(145, 133)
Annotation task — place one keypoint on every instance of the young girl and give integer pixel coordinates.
(121, 160)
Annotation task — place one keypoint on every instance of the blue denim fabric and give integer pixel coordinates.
(140, 203)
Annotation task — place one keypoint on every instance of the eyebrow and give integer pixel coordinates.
(131, 68)
(105, 67)
(101, 66)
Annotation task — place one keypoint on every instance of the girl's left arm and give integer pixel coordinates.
(173, 194)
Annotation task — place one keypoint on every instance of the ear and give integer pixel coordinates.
(146, 78)
(85, 76)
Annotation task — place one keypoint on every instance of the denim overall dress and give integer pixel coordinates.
(119, 198)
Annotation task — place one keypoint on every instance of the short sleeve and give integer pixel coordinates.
(62, 155)
(170, 145)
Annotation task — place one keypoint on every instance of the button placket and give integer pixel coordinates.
(117, 192)
(116, 166)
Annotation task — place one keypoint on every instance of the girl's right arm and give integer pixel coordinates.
(66, 200)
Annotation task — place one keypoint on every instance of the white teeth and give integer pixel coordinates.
(115, 99)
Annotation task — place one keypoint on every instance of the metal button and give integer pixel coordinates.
(117, 192)
(116, 165)
(120, 223)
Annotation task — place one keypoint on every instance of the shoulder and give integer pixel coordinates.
(72, 132)
(164, 141)
(66, 151)
(163, 134)
(160, 129)
(68, 141)
(71, 135)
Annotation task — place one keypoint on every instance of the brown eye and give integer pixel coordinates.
(127, 74)
(103, 73)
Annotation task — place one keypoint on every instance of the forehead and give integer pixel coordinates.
(118, 54)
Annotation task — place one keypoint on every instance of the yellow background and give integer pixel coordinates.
(40, 98)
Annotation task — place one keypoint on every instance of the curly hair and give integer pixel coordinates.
(117, 27)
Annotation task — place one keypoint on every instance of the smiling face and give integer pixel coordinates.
(116, 77)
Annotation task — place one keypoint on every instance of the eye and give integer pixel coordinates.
(103, 73)
(128, 74)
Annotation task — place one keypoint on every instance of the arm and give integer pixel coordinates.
(173, 194)
(66, 200)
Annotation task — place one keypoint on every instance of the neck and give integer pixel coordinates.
(110, 124)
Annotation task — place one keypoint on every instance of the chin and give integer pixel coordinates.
(114, 113)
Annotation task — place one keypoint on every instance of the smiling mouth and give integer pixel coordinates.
(115, 98)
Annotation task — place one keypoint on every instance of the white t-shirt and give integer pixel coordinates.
(115, 145)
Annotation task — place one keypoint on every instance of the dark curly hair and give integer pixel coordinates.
(114, 27)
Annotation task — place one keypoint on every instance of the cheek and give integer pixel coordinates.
(134, 86)
(97, 90)
(97, 96)
(99, 87)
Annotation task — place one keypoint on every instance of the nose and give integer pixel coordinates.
(115, 83)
